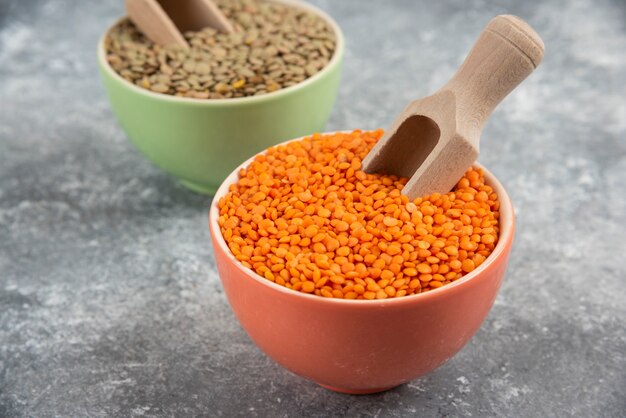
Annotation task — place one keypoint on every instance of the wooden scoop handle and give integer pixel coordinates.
(162, 20)
(506, 52)
(154, 22)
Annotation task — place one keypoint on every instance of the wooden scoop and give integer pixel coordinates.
(162, 21)
(435, 139)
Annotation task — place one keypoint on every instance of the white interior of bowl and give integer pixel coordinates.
(338, 53)
(506, 230)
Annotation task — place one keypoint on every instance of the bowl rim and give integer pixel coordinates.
(330, 66)
(507, 228)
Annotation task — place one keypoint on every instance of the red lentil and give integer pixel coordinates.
(304, 216)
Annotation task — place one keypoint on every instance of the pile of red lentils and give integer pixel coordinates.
(304, 216)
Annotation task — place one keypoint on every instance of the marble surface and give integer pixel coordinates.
(110, 304)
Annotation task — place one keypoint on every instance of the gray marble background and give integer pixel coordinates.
(110, 304)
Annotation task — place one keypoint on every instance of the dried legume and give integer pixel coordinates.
(303, 215)
(275, 46)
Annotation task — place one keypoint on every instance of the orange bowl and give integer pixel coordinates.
(362, 346)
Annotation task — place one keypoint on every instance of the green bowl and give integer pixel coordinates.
(201, 141)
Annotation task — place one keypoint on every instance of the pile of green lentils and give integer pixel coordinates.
(274, 46)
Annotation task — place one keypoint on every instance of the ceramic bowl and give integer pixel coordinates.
(201, 141)
(362, 346)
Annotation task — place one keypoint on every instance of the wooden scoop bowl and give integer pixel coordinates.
(162, 21)
(435, 139)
